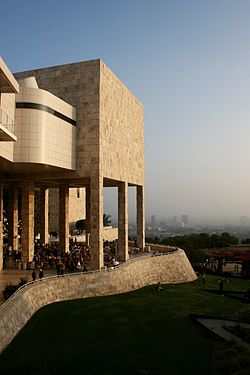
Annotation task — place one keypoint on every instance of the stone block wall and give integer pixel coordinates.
(135, 274)
(76, 207)
(121, 130)
(110, 119)
(110, 234)
(160, 248)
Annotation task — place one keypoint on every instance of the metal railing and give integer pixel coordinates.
(6, 121)
(69, 275)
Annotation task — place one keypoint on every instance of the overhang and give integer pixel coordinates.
(6, 135)
(8, 84)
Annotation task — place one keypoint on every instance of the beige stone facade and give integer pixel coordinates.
(78, 129)
(110, 122)
(77, 208)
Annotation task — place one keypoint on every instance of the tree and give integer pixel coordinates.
(106, 220)
(81, 224)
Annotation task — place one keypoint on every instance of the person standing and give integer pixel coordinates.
(33, 275)
(220, 282)
(41, 274)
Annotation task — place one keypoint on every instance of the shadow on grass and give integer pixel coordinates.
(140, 332)
(234, 294)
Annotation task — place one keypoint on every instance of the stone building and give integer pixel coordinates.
(73, 126)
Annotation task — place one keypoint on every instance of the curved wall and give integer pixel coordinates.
(135, 274)
(45, 129)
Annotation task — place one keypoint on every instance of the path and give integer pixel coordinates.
(217, 326)
(12, 276)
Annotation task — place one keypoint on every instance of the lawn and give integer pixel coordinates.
(141, 332)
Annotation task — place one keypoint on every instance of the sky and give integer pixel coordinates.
(188, 62)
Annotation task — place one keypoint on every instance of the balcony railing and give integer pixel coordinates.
(7, 122)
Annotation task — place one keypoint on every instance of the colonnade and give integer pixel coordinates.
(94, 219)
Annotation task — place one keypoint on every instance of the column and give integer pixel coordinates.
(64, 218)
(27, 221)
(123, 222)
(140, 217)
(96, 222)
(1, 226)
(13, 217)
(44, 215)
(87, 215)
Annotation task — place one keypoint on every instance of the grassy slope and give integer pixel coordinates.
(142, 332)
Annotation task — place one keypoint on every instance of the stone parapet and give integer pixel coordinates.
(137, 273)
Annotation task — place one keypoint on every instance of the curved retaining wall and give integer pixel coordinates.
(137, 273)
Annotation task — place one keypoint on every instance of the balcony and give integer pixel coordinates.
(7, 128)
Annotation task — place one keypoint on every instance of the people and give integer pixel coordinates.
(41, 274)
(204, 278)
(33, 275)
(220, 282)
(158, 287)
(114, 262)
(246, 296)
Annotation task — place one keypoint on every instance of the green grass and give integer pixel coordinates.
(142, 332)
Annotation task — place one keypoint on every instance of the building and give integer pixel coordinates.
(74, 126)
(174, 221)
(244, 221)
(153, 221)
(184, 219)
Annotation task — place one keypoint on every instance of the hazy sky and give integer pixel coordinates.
(187, 61)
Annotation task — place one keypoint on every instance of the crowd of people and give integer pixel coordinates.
(50, 256)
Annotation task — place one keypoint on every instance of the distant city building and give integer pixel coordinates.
(153, 221)
(174, 222)
(184, 219)
(244, 221)
(163, 224)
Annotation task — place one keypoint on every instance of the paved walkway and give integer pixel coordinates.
(12, 276)
(217, 326)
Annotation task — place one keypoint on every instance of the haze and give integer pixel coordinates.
(188, 62)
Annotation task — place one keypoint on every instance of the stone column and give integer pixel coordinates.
(96, 222)
(27, 221)
(140, 217)
(64, 218)
(13, 217)
(87, 214)
(44, 215)
(1, 225)
(123, 221)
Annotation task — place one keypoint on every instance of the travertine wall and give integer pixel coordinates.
(121, 130)
(76, 207)
(110, 234)
(172, 268)
(77, 84)
(110, 138)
